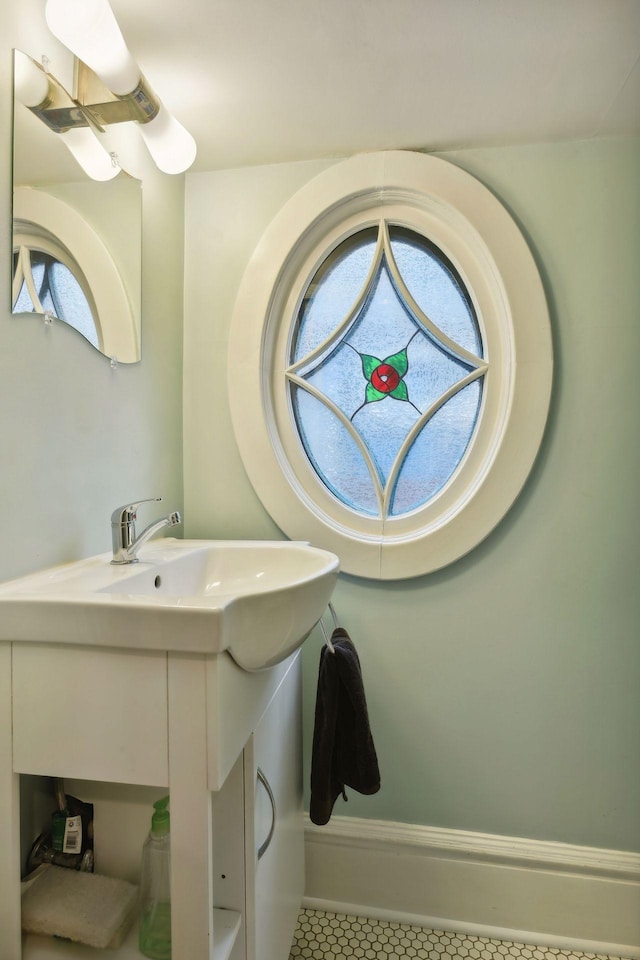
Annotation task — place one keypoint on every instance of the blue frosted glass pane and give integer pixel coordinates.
(385, 329)
(39, 263)
(23, 304)
(436, 288)
(37, 272)
(71, 301)
(385, 326)
(333, 291)
(437, 450)
(340, 378)
(333, 453)
(386, 371)
(431, 372)
(384, 426)
(61, 294)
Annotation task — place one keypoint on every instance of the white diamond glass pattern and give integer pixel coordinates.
(386, 371)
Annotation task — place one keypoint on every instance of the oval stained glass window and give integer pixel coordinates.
(390, 364)
(386, 371)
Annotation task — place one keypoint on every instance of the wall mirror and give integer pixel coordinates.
(77, 242)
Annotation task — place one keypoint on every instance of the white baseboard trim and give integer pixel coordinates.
(544, 893)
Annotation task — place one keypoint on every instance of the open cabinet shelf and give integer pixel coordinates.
(226, 924)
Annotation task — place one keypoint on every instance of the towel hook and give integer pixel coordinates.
(334, 615)
(327, 639)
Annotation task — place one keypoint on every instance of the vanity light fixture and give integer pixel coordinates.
(109, 87)
(48, 100)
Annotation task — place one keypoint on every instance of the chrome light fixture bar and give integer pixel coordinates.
(109, 88)
(49, 101)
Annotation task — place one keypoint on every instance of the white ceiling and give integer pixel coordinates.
(260, 81)
(263, 81)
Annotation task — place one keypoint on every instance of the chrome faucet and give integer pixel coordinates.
(123, 530)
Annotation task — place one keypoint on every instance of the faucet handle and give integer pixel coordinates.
(127, 513)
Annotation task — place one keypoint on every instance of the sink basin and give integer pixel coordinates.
(256, 599)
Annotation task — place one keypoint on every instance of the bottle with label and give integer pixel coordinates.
(155, 892)
(70, 843)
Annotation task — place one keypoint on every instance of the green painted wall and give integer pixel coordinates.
(503, 690)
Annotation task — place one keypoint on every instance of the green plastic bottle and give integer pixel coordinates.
(155, 889)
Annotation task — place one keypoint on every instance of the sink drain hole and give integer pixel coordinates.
(157, 581)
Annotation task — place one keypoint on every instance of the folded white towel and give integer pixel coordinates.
(86, 907)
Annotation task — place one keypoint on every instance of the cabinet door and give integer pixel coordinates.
(274, 823)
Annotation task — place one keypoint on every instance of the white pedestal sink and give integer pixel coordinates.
(256, 599)
(177, 672)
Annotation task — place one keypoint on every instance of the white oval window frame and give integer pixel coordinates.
(115, 321)
(466, 221)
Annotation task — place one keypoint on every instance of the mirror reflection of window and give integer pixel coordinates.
(97, 227)
(62, 268)
(49, 281)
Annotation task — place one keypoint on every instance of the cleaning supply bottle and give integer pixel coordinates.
(155, 892)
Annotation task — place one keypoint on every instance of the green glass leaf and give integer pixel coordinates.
(400, 392)
(369, 364)
(399, 362)
(373, 394)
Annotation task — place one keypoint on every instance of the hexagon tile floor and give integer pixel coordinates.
(328, 936)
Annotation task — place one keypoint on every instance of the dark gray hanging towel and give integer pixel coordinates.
(343, 749)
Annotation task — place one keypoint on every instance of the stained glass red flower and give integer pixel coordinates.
(385, 378)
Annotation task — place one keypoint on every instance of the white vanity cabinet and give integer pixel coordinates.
(219, 739)
(275, 854)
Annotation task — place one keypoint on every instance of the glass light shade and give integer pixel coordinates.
(90, 30)
(172, 147)
(30, 82)
(90, 154)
